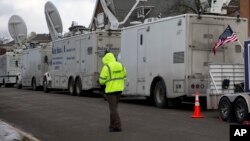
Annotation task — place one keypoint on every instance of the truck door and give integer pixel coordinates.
(204, 37)
(141, 60)
(83, 56)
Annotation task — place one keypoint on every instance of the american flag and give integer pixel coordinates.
(226, 37)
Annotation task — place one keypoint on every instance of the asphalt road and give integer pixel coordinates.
(60, 117)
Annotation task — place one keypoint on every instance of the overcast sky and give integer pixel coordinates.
(32, 12)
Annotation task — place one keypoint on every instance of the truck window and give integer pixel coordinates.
(46, 59)
(178, 57)
(141, 39)
(16, 63)
(89, 50)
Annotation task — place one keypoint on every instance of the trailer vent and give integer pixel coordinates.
(178, 57)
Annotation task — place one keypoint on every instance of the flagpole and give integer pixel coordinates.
(241, 45)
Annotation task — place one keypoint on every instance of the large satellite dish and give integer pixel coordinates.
(53, 20)
(17, 29)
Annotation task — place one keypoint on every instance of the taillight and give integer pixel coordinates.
(192, 86)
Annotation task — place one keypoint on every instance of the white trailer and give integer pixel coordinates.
(233, 102)
(9, 68)
(169, 58)
(35, 63)
(77, 60)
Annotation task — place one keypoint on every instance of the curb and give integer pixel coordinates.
(10, 133)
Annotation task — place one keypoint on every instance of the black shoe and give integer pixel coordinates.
(115, 129)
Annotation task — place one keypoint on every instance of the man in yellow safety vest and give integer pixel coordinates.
(113, 76)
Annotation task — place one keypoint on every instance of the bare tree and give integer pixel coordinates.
(3, 38)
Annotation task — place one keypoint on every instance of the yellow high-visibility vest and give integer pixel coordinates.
(113, 74)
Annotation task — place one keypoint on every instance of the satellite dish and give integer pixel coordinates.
(17, 29)
(53, 20)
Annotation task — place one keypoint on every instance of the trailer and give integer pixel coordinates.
(10, 68)
(35, 62)
(77, 61)
(230, 90)
(168, 59)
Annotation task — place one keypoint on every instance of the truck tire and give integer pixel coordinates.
(71, 87)
(160, 95)
(78, 87)
(5, 85)
(45, 86)
(225, 109)
(19, 86)
(33, 84)
(241, 110)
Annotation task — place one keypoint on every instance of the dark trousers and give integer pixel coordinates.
(113, 100)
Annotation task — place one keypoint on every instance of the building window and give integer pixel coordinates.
(143, 11)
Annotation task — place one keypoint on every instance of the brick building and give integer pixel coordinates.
(245, 11)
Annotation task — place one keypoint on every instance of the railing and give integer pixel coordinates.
(234, 73)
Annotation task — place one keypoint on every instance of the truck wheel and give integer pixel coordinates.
(71, 87)
(241, 110)
(45, 86)
(34, 87)
(4, 84)
(160, 94)
(19, 86)
(78, 87)
(225, 109)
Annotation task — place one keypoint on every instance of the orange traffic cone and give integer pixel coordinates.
(197, 109)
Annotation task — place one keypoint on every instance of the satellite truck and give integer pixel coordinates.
(10, 60)
(170, 59)
(10, 68)
(32, 62)
(76, 56)
(36, 60)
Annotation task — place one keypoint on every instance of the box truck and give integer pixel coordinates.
(77, 60)
(168, 59)
(10, 68)
(35, 63)
(76, 56)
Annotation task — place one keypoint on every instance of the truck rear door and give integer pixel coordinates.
(204, 37)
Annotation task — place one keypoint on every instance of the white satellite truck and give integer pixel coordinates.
(76, 57)
(168, 59)
(35, 62)
(10, 67)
